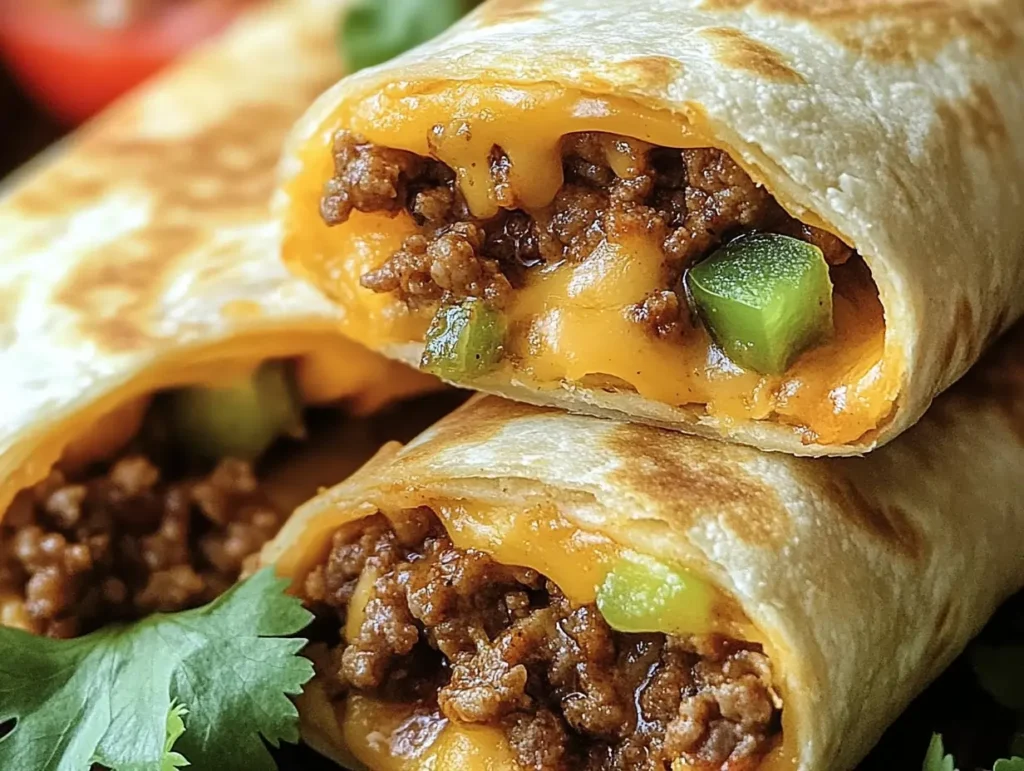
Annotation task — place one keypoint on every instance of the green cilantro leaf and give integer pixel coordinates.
(175, 728)
(1000, 671)
(373, 31)
(108, 697)
(936, 758)
(1013, 764)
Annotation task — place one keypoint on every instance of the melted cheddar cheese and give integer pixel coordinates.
(570, 323)
(577, 561)
(394, 736)
(328, 369)
(539, 538)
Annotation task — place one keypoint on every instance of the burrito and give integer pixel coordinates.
(781, 223)
(520, 587)
(157, 358)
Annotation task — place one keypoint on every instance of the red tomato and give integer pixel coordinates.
(74, 66)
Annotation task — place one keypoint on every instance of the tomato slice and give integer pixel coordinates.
(74, 66)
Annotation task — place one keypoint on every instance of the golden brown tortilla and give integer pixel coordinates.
(862, 577)
(140, 255)
(898, 127)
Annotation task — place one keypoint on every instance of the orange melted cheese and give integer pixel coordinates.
(394, 736)
(328, 369)
(541, 539)
(570, 322)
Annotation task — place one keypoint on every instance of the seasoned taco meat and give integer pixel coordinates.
(479, 642)
(79, 550)
(693, 200)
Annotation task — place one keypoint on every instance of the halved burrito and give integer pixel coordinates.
(157, 359)
(521, 588)
(784, 224)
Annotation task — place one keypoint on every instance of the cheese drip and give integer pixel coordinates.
(394, 736)
(570, 324)
(328, 369)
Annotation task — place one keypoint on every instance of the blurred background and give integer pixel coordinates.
(62, 61)
(74, 56)
(24, 129)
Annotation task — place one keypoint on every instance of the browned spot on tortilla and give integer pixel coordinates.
(958, 346)
(725, 5)
(890, 523)
(974, 119)
(996, 383)
(652, 72)
(115, 288)
(478, 421)
(501, 11)
(895, 30)
(224, 171)
(963, 320)
(59, 191)
(949, 350)
(942, 643)
(691, 483)
(735, 49)
(192, 186)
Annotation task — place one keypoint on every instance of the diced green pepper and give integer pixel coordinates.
(643, 595)
(240, 420)
(765, 299)
(464, 340)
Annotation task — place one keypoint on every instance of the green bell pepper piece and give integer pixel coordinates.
(240, 420)
(464, 341)
(641, 594)
(765, 299)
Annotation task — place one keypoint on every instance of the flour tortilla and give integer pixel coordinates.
(897, 125)
(140, 254)
(864, 577)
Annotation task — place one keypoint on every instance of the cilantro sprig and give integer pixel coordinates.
(207, 682)
(373, 31)
(175, 728)
(936, 759)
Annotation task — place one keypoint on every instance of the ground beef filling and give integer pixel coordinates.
(80, 550)
(690, 200)
(480, 642)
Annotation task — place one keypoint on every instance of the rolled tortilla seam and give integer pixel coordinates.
(873, 124)
(861, 578)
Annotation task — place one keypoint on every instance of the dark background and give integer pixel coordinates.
(24, 131)
(976, 730)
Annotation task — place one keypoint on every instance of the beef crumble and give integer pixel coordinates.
(454, 631)
(80, 550)
(691, 200)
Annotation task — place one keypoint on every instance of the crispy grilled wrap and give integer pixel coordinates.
(523, 586)
(785, 223)
(153, 348)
